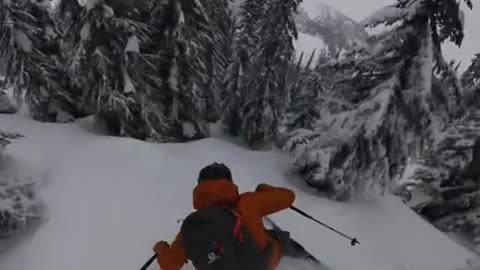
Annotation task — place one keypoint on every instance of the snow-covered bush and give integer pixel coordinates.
(390, 110)
(5, 139)
(20, 209)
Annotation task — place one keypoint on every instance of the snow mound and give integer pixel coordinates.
(110, 199)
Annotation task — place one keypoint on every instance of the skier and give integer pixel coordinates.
(256, 248)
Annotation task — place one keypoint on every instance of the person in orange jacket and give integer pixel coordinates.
(215, 187)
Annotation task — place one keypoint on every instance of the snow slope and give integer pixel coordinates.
(110, 199)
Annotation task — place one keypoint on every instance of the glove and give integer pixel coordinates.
(263, 187)
(160, 246)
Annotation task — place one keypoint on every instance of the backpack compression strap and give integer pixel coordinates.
(237, 232)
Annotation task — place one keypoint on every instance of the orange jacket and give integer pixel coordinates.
(264, 201)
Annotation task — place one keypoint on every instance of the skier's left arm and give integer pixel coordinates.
(270, 199)
(171, 257)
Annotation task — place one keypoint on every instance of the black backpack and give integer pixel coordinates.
(215, 239)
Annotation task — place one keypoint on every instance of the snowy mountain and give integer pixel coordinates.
(322, 27)
(110, 199)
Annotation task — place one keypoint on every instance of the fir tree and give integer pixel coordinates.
(29, 45)
(197, 104)
(219, 54)
(305, 94)
(448, 178)
(240, 71)
(396, 115)
(142, 67)
(471, 77)
(120, 81)
(471, 83)
(266, 94)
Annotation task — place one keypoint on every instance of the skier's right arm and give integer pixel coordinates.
(272, 199)
(171, 257)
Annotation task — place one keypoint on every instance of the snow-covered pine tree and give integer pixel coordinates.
(448, 180)
(471, 82)
(471, 77)
(142, 67)
(304, 98)
(197, 100)
(396, 113)
(240, 70)
(118, 69)
(67, 18)
(219, 54)
(448, 177)
(266, 93)
(29, 46)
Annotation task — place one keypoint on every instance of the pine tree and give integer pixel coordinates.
(305, 92)
(395, 114)
(219, 54)
(29, 46)
(267, 92)
(471, 77)
(198, 101)
(240, 70)
(116, 65)
(141, 67)
(471, 82)
(448, 178)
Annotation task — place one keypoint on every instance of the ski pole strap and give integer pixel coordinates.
(353, 240)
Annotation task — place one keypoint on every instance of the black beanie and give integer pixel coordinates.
(215, 171)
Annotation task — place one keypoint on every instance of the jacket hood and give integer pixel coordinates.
(215, 192)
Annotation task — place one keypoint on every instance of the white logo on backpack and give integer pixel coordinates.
(212, 257)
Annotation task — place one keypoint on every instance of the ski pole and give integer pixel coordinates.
(353, 240)
(150, 261)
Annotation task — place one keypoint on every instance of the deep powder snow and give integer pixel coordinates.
(110, 199)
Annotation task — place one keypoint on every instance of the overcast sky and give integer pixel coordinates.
(359, 9)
